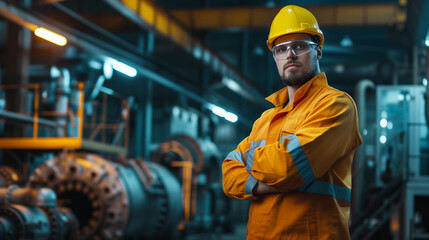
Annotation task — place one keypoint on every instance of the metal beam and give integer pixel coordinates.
(15, 117)
(148, 15)
(261, 17)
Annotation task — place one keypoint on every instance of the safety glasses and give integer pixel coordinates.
(297, 47)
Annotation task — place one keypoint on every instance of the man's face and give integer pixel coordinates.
(297, 70)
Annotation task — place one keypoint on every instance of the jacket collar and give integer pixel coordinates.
(280, 97)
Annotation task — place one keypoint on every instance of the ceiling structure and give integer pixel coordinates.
(203, 53)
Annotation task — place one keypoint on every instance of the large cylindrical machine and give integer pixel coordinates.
(196, 163)
(112, 200)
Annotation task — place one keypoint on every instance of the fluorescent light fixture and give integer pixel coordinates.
(231, 117)
(124, 68)
(231, 84)
(223, 113)
(219, 111)
(50, 36)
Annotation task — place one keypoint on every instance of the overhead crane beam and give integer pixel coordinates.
(150, 16)
(261, 17)
(25, 18)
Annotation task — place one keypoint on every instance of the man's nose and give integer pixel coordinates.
(290, 54)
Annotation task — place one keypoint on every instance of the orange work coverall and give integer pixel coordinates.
(305, 148)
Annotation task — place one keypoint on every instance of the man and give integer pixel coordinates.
(295, 165)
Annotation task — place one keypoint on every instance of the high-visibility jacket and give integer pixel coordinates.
(305, 148)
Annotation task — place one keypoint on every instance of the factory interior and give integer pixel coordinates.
(116, 115)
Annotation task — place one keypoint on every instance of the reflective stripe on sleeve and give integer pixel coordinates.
(237, 156)
(250, 184)
(327, 188)
(300, 159)
(256, 144)
(250, 159)
(253, 146)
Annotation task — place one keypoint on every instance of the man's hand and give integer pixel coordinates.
(262, 188)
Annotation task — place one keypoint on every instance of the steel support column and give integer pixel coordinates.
(17, 63)
(147, 118)
(138, 145)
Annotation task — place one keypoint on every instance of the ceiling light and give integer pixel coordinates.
(231, 117)
(50, 36)
(223, 113)
(219, 111)
(231, 84)
(123, 68)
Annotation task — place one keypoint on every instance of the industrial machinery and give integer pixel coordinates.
(196, 164)
(64, 173)
(29, 213)
(391, 171)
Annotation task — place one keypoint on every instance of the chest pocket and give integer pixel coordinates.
(290, 126)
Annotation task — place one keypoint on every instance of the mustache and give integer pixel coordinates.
(290, 63)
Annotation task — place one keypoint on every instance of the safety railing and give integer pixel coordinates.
(44, 130)
(108, 123)
(60, 121)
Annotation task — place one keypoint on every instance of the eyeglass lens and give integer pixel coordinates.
(297, 47)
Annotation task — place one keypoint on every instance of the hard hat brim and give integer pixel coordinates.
(313, 32)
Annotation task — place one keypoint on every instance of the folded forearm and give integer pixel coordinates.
(262, 188)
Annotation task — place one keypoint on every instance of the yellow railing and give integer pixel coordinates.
(36, 141)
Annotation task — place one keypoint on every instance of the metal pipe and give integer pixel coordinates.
(41, 197)
(415, 64)
(427, 88)
(29, 119)
(357, 167)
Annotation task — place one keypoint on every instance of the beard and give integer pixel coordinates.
(296, 78)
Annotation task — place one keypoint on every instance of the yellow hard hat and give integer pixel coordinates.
(293, 19)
